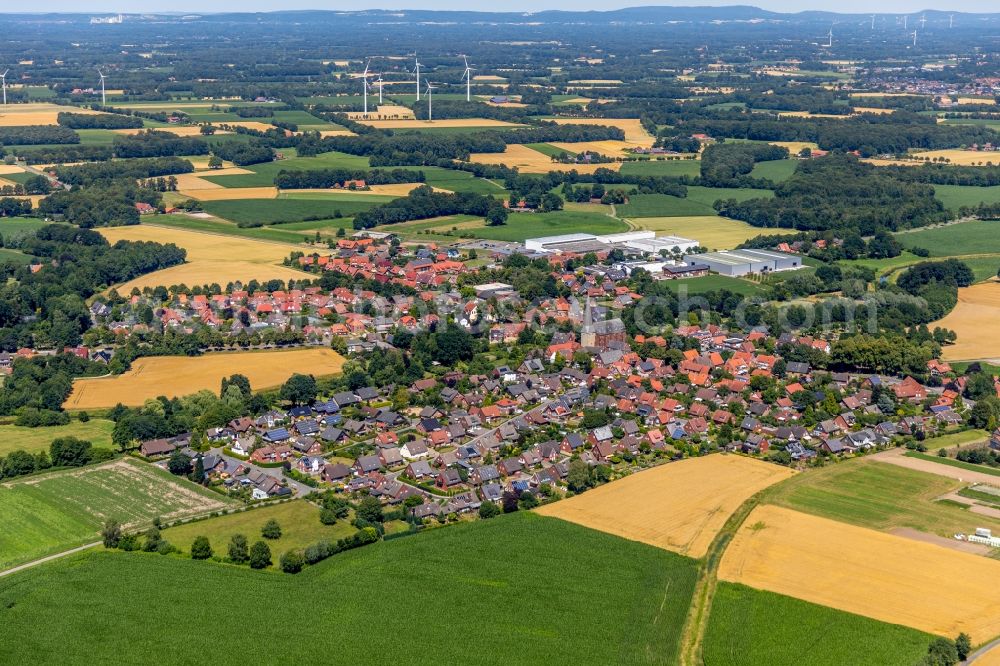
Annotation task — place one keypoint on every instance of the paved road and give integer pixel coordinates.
(39, 172)
(993, 648)
(300, 489)
(35, 563)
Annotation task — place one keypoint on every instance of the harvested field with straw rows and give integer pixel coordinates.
(529, 160)
(175, 376)
(16, 115)
(679, 506)
(854, 569)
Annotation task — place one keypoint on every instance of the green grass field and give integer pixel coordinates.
(530, 225)
(654, 167)
(977, 237)
(263, 174)
(752, 627)
(57, 511)
(962, 438)
(230, 229)
(776, 170)
(16, 227)
(459, 181)
(521, 588)
(299, 521)
(277, 211)
(662, 205)
(878, 495)
(13, 256)
(955, 196)
(95, 431)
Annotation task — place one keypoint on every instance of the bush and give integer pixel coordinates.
(260, 555)
(271, 530)
(292, 562)
(488, 510)
(111, 534)
(201, 549)
(318, 552)
(328, 517)
(238, 553)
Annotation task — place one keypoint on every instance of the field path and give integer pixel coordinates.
(896, 457)
(48, 558)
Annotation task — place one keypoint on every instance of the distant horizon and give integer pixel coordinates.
(515, 6)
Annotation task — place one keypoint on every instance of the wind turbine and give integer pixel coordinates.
(873, 21)
(430, 101)
(923, 21)
(468, 80)
(364, 85)
(951, 20)
(829, 38)
(905, 17)
(416, 67)
(104, 99)
(379, 82)
(914, 37)
(3, 77)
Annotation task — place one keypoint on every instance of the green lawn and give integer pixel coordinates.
(662, 205)
(15, 227)
(530, 225)
(956, 439)
(263, 174)
(878, 495)
(95, 431)
(299, 521)
(776, 170)
(13, 256)
(978, 237)
(515, 589)
(955, 196)
(751, 627)
(655, 167)
(459, 181)
(57, 511)
(276, 211)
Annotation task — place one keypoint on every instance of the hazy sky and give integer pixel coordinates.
(860, 6)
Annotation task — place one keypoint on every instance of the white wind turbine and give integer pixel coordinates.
(104, 99)
(873, 21)
(468, 80)
(364, 85)
(914, 37)
(430, 101)
(3, 77)
(829, 38)
(379, 82)
(951, 20)
(416, 67)
(923, 21)
(905, 17)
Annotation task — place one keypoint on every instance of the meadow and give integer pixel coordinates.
(538, 603)
(262, 175)
(530, 225)
(956, 196)
(59, 510)
(879, 496)
(277, 211)
(776, 170)
(703, 285)
(210, 259)
(886, 577)
(975, 237)
(679, 506)
(175, 376)
(756, 628)
(654, 167)
(33, 440)
(299, 521)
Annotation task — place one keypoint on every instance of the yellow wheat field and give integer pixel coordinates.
(974, 319)
(9, 168)
(528, 160)
(230, 193)
(795, 147)
(961, 157)
(403, 123)
(15, 115)
(250, 124)
(711, 231)
(610, 148)
(175, 376)
(678, 506)
(635, 133)
(890, 578)
(211, 258)
(326, 133)
(196, 181)
(201, 164)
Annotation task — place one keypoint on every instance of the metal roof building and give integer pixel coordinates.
(742, 262)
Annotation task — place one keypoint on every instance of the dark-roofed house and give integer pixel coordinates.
(367, 464)
(337, 472)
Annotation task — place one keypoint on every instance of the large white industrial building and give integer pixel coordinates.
(636, 241)
(743, 262)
